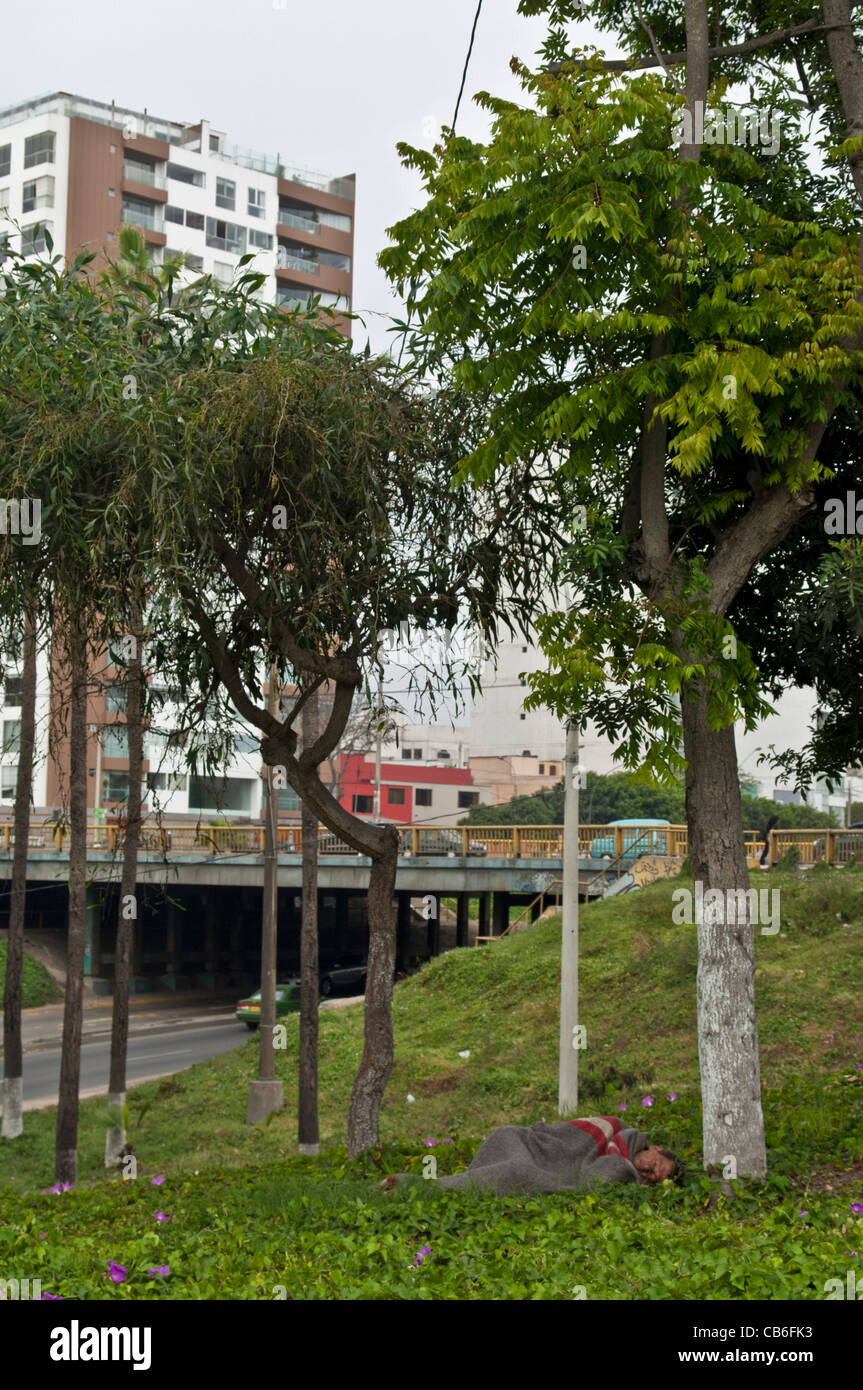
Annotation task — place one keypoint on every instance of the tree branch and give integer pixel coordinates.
(733, 50)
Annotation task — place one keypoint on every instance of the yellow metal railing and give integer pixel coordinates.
(618, 845)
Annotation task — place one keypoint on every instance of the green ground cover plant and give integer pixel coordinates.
(248, 1218)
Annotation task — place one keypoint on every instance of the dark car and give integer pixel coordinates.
(843, 845)
(343, 977)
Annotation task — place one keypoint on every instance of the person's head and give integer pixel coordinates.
(655, 1165)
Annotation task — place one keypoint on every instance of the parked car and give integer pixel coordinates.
(843, 845)
(343, 977)
(248, 1010)
(635, 842)
(447, 841)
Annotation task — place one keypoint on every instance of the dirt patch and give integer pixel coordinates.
(441, 1084)
(831, 1179)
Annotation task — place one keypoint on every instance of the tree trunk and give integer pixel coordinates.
(127, 912)
(733, 1124)
(308, 1137)
(13, 1094)
(66, 1158)
(377, 1059)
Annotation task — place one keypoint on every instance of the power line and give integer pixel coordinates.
(466, 62)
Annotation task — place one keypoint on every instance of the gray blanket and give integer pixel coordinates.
(560, 1157)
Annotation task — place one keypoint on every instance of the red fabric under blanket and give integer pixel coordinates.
(604, 1130)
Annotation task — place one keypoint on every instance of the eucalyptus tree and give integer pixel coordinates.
(304, 507)
(659, 289)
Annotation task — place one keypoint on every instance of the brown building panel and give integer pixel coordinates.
(314, 197)
(145, 190)
(95, 165)
(327, 278)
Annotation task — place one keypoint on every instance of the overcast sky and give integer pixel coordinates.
(330, 85)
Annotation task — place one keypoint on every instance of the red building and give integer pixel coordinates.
(410, 792)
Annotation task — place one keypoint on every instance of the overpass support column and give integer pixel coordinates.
(92, 939)
(403, 923)
(501, 913)
(484, 914)
(461, 921)
(433, 926)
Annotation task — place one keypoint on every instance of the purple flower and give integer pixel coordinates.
(429, 1143)
(160, 1216)
(620, 1107)
(159, 1271)
(802, 1213)
(850, 1252)
(647, 1101)
(156, 1182)
(858, 1066)
(446, 1141)
(61, 1187)
(54, 1297)
(672, 1095)
(421, 1254)
(41, 1235)
(116, 1273)
(857, 1208)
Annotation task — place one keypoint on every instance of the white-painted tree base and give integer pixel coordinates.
(310, 1150)
(13, 1107)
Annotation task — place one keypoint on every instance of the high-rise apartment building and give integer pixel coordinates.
(85, 168)
(82, 169)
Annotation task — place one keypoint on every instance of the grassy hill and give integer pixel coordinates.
(37, 986)
(248, 1216)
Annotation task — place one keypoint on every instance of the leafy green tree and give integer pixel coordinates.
(675, 318)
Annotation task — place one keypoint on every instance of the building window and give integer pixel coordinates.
(418, 753)
(215, 144)
(396, 796)
(467, 799)
(363, 804)
(262, 239)
(140, 171)
(166, 781)
(225, 236)
(288, 799)
(257, 202)
(522, 716)
(39, 149)
(115, 698)
(140, 213)
(524, 649)
(333, 258)
(8, 783)
(183, 174)
(173, 214)
(14, 687)
(116, 741)
(552, 769)
(226, 194)
(38, 193)
(11, 736)
(4, 201)
(221, 794)
(195, 220)
(5, 160)
(542, 769)
(442, 754)
(112, 192)
(222, 272)
(115, 786)
(33, 238)
(423, 796)
(335, 219)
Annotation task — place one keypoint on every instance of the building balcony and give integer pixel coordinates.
(143, 191)
(134, 172)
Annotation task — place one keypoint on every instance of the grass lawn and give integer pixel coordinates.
(248, 1218)
(37, 986)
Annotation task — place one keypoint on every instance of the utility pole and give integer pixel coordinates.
(267, 1094)
(376, 814)
(570, 1034)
